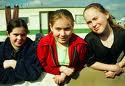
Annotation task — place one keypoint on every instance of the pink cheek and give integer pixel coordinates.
(57, 34)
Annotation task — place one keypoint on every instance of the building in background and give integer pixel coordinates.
(37, 20)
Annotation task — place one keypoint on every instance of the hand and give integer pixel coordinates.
(9, 63)
(68, 71)
(110, 74)
(119, 70)
(59, 78)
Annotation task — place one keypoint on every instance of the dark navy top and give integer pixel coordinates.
(27, 67)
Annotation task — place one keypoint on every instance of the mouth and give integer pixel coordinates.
(63, 39)
(19, 43)
(96, 29)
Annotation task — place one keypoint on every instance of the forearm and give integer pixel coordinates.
(104, 67)
(68, 71)
(26, 71)
(7, 76)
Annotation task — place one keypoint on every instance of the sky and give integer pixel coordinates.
(115, 7)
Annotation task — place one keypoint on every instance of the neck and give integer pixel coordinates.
(59, 44)
(104, 36)
(15, 48)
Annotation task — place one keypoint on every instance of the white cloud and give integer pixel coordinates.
(115, 6)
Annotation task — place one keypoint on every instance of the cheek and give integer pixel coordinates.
(24, 39)
(103, 20)
(13, 40)
(90, 26)
(69, 32)
(12, 37)
(55, 33)
(104, 23)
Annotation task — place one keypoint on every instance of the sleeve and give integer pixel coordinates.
(6, 75)
(123, 41)
(42, 54)
(90, 56)
(82, 55)
(27, 68)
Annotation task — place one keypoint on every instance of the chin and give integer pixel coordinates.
(62, 42)
(98, 32)
(18, 45)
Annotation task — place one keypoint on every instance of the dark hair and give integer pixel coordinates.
(13, 23)
(105, 11)
(59, 14)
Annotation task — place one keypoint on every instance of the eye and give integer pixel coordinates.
(67, 29)
(15, 34)
(58, 28)
(94, 18)
(89, 22)
(22, 35)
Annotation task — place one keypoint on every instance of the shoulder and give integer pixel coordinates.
(5, 47)
(28, 45)
(48, 39)
(5, 43)
(29, 42)
(2, 45)
(90, 36)
(120, 32)
(75, 40)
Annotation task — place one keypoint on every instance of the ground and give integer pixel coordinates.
(91, 77)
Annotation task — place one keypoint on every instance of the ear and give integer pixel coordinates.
(107, 15)
(7, 33)
(50, 25)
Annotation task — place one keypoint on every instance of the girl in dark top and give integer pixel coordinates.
(18, 61)
(107, 41)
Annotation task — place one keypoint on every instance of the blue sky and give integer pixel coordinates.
(116, 7)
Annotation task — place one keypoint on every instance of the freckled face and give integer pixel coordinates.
(96, 20)
(18, 37)
(62, 30)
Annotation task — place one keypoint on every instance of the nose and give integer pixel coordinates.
(94, 24)
(62, 32)
(19, 37)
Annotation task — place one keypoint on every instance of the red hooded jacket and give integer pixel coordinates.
(48, 57)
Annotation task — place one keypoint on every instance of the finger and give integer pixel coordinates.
(56, 81)
(105, 71)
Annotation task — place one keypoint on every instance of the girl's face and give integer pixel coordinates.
(96, 20)
(18, 37)
(62, 30)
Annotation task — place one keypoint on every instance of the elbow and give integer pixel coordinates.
(34, 77)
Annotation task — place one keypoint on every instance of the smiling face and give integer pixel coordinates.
(17, 37)
(96, 20)
(62, 30)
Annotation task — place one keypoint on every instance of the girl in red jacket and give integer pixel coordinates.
(61, 53)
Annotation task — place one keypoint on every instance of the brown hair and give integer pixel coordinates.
(60, 14)
(13, 23)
